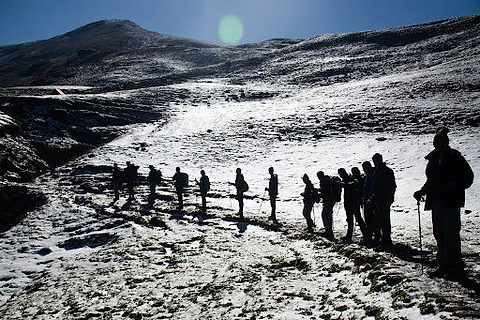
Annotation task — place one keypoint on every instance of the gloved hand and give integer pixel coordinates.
(418, 195)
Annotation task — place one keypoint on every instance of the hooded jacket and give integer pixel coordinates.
(447, 179)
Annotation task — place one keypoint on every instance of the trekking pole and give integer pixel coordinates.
(420, 233)
(195, 194)
(313, 212)
(261, 201)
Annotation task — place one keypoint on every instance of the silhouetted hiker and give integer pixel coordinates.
(116, 181)
(448, 175)
(373, 230)
(154, 178)
(273, 192)
(384, 187)
(204, 186)
(180, 181)
(359, 179)
(131, 174)
(351, 203)
(242, 186)
(330, 194)
(309, 197)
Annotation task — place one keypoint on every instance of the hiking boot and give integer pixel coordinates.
(438, 272)
(384, 247)
(367, 242)
(328, 235)
(456, 273)
(346, 240)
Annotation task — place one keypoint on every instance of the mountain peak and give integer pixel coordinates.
(108, 27)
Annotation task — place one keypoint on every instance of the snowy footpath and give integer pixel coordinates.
(81, 256)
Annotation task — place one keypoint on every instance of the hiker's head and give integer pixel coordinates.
(440, 140)
(151, 167)
(377, 159)
(356, 172)
(115, 165)
(270, 170)
(177, 169)
(128, 163)
(239, 171)
(202, 172)
(343, 173)
(305, 178)
(367, 167)
(320, 175)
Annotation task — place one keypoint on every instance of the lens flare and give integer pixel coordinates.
(230, 29)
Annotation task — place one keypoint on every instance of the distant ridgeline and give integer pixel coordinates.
(119, 54)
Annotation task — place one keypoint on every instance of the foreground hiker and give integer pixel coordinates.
(384, 187)
(204, 186)
(309, 198)
(448, 175)
(273, 192)
(180, 180)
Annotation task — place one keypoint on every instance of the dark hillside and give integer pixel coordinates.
(88, 55)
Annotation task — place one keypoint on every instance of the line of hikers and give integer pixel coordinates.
(129, 176)
(448, 175)
(373, 191)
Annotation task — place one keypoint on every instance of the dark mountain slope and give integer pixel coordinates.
(91, 54)
(121, 55)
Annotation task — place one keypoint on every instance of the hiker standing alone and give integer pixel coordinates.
(273, 192)
(448, 175)
(241, 186)
(384, 187)
(204, 186)
(309, 198)
(180, 181)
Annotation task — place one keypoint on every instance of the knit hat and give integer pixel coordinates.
(441, 137)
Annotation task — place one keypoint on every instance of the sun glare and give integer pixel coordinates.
(230, 29)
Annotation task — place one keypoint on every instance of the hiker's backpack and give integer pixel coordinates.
(336, 189)
(157, 177)
(244, 186)
(183, 180)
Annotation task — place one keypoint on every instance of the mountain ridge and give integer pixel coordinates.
(97, 53)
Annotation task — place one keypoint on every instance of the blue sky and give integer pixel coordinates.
(30, 20)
